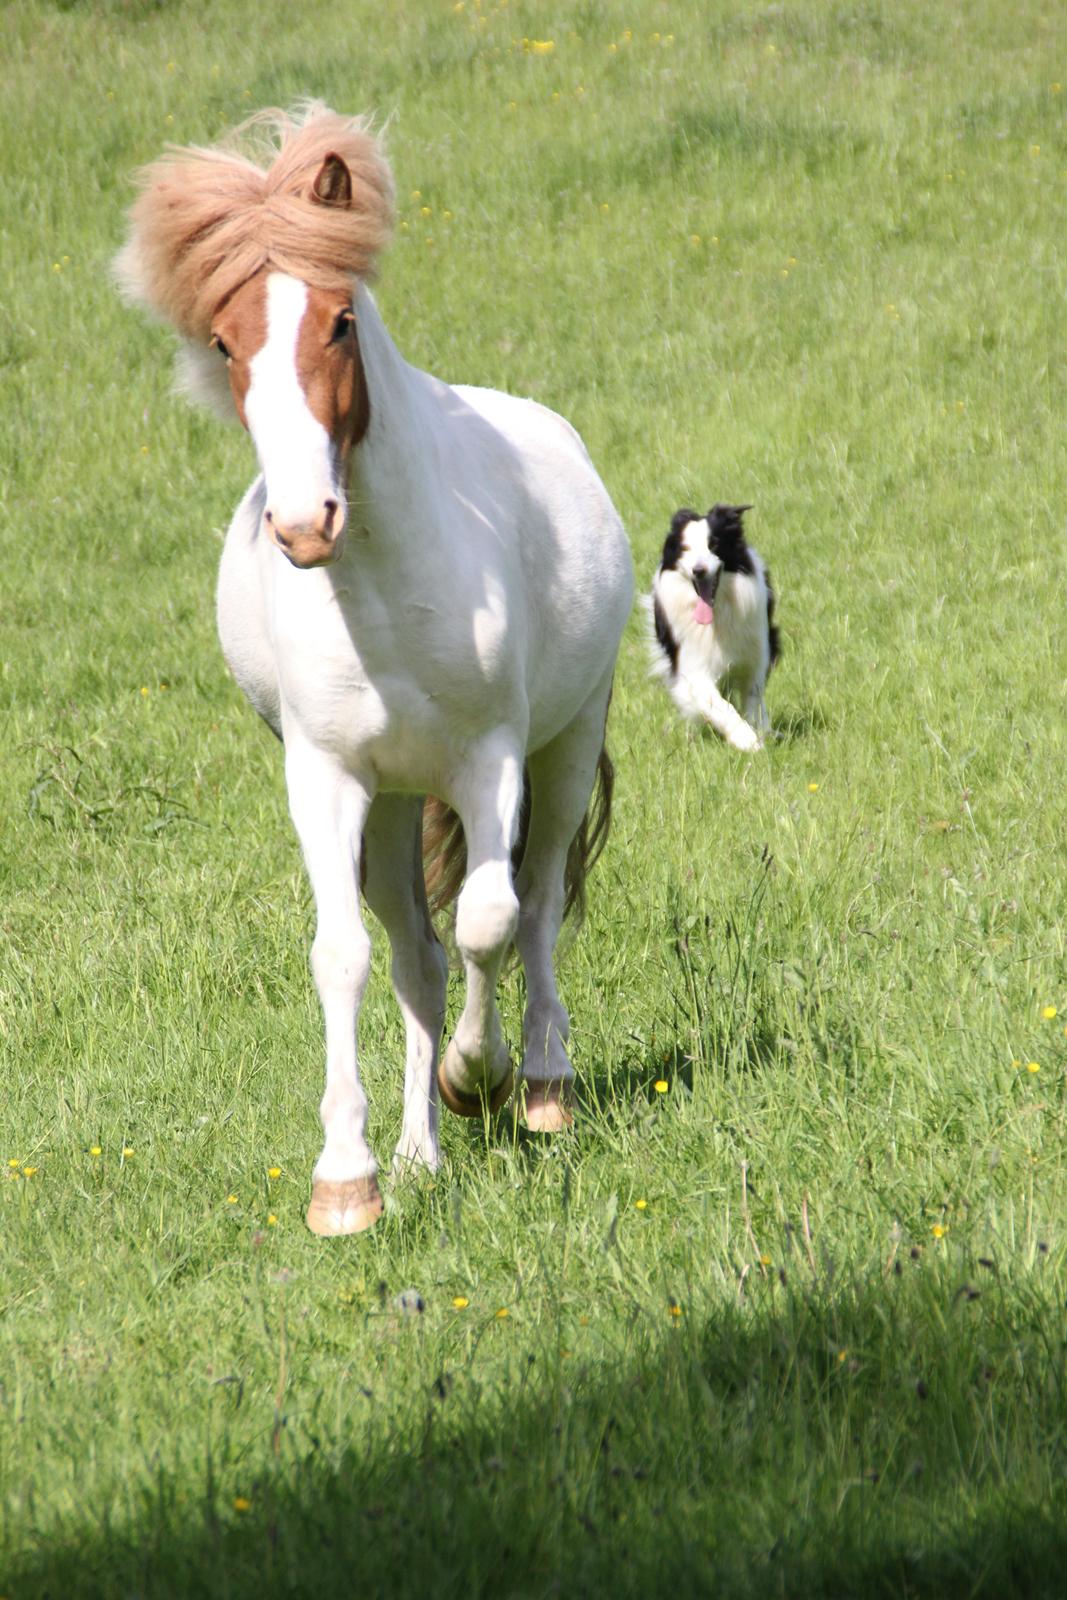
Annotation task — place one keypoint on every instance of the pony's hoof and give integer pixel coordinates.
(338, 1208)
(482, 1104)
(548, 1106)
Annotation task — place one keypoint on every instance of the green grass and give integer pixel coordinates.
(807, 255)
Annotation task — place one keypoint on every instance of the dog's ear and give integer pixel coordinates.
(725, 525)
(726, 536)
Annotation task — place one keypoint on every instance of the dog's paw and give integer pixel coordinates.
(745, 738)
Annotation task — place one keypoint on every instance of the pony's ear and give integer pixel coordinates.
(333, 184)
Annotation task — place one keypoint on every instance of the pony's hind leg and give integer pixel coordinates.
(475, 1072)
(394, 888)
(329, 807)
(561, 782)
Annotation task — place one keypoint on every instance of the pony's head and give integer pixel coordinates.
(256, 266)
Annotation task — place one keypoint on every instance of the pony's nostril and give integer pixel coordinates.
(269, 516)
(333, 519)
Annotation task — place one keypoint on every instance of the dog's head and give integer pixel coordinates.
(703, 548)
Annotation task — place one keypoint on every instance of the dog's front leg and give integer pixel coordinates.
(727, 721)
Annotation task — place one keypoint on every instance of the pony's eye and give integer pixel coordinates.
(220, 347)
(345, 321)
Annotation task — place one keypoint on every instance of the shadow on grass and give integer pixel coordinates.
(790, 726)
(896, 1438)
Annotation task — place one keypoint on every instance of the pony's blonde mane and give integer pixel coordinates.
(207, 220)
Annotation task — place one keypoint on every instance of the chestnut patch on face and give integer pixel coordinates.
(329, 368)
(239, 330)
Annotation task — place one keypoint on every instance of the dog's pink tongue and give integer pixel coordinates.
(703, 612)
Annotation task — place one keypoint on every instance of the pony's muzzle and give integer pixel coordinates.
(313, 544)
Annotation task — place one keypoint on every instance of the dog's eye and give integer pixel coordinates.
(220, 347)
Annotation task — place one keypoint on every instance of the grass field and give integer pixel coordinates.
(795, 1326)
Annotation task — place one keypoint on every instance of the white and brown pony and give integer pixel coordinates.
(423, 594)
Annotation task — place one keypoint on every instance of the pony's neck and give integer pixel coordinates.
(390, 471)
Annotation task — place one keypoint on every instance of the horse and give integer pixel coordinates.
(423, 594)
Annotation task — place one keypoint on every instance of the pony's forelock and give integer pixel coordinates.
(208, 219)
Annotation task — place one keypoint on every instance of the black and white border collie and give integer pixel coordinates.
(714, 641)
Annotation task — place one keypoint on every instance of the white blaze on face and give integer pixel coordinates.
(695, 550)
(701, 566)
(294, 448)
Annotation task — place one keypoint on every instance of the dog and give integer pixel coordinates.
(712, 610)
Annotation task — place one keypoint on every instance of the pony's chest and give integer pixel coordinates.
(403, 676)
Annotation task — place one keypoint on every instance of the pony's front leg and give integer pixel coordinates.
(475, 1073)
(329, 807)
(395, 890)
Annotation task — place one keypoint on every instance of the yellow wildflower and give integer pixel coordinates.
(28, 1172)
(674, 1309)
(231, 1199)
(274, 1172)
(241, 1504)
(95, 1150)
(1033, 1066)
(1048, 1012)
(642, 1205)
(460, 1302)
(272, 1221)
(813, 788)
(661, 1086)
(503, 1312)
(938, 1231)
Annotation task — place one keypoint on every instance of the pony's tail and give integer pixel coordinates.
(444, 853)
(591, 837)
(444, 848)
